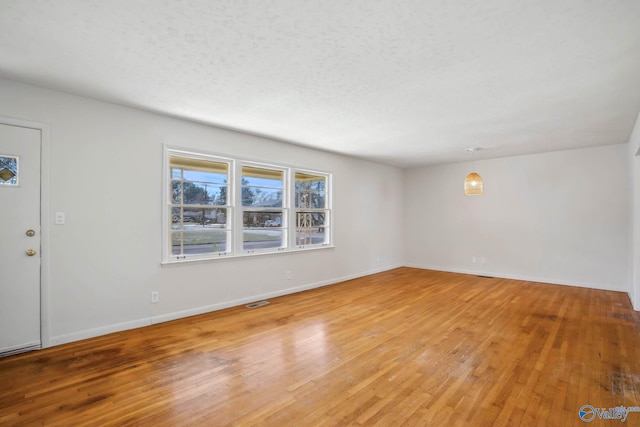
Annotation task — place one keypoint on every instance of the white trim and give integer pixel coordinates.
(96, 332)
(631, 300)
(118, 327)
(244, 255)
(233, 303)
(525, 278)
(22, 348)
(45, 158)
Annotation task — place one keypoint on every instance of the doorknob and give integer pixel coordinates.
(31, 252)
(31, 233)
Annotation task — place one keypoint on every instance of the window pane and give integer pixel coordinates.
(260, 219)
(275, 220)
(210, 177)
(312, 228)
(311, 219)
(261, 197)
(312, 235)
(262, 187)
(198, 182)
(262, 183)
(310, 191)
(8, 170)
(198, 193)
(176, 173)
(216, 218)
(256, 239)
(310, 199)
(192, 240)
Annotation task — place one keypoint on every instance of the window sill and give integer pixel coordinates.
(184, 261)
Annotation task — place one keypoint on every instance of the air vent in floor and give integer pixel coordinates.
(257, 304)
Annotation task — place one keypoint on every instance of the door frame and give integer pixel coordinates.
(45, 155)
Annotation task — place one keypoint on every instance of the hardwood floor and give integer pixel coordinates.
(407, 346)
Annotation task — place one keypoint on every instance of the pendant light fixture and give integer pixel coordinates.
(473, 185)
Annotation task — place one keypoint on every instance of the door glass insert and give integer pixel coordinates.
(8, 170)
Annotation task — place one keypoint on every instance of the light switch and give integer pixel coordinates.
(60, 218)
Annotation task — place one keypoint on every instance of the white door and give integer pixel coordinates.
(19, 239)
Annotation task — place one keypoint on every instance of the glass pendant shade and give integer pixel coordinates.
(473, 185)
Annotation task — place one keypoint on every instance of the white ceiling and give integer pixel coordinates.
(402, 82)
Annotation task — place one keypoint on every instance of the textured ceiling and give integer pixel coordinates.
(406, 83)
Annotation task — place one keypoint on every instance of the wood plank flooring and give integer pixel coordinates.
(404, 347)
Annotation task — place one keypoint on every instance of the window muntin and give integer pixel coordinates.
(264, 225)
(199, 206)
(312, 213)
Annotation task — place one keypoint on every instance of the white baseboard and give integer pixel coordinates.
(526, 278)
(232, 303)
(118, 327)
(96, 332)
(22, 348)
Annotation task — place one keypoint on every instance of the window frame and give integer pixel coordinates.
(235, 210)
(169, 205)
(327, 209)
(284, 225)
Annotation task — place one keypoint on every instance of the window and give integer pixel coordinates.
(264, 221)
(219, 207)
(199, 207)
(8, 170)
(312, 213)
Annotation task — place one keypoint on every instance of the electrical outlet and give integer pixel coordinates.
(287, 274)
(155, 297)
(483, 260)
(474, 259)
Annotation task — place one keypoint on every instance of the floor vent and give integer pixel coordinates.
(486, 277)
(257, 304)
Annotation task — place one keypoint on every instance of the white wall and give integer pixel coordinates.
(634, 215)
(106, 174)
(558, 217)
